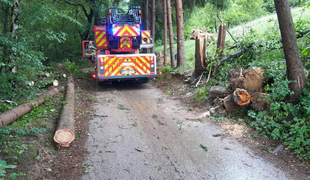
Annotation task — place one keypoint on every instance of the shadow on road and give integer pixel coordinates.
(123, 86)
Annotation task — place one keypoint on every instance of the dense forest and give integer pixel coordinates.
(39, 37)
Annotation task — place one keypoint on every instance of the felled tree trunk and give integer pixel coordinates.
(65, 130)
(17, 112)
(237, 99)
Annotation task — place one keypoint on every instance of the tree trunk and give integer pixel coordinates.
(165, 32)
(180, 33)
(147, 20)
(85, 33)
(5, 19)
(96, 15)
(295, 69)
(170, 34)
(17, 112)
(199, 57)
(65, 130)
(5, 30)
(221, 41)
(145, 12)
(153, 24)
(15, 18)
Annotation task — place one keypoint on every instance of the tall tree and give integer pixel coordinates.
(96, 12)
(295, 69)
(165, 32)
(170, 34)
(15, 18)
(145, 19)
(180, 33)
(153, 24)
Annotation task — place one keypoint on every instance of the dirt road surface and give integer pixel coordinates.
(139, 133)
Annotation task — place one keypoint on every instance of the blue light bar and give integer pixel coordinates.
(114, 30)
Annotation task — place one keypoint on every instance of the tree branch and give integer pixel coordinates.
(83, 8)
(302, 33)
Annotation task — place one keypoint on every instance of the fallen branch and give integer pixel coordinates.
(232, 56)
(231, 35)
(239, 53)
(209, 75)
(17, 112)
(199, 79)
(65, 130)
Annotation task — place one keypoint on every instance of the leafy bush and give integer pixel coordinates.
(3, 173)
(200, 94)
(74, 69)
(285, 121)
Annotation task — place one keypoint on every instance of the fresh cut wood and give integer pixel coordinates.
(17, 112)
(65, 129)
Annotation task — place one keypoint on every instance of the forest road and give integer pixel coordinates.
(138, 133)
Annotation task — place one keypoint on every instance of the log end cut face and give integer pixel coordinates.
(64, 137)
(241, 97)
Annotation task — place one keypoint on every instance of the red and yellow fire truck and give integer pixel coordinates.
(116, 52)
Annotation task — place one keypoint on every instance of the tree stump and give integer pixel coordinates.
(221, 41)
(200, 54)
(250, 80)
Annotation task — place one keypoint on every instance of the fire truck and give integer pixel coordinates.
(115, 48)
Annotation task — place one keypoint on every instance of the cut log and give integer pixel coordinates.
(65, 129)
(238, 98)
(241, 97)
(229, 103)
(17, 112)
(259, 102)
(43, 75)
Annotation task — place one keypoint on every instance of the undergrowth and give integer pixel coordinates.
(285, 121)
(14, 146)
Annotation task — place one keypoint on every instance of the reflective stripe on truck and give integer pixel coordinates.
(126, 65)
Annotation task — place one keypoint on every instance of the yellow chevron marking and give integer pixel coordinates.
(126, 29)
(125, 42)
(102, 42)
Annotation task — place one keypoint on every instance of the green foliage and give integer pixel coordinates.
(31, 124)
(169, 91)
(220, 4)
(279, 90)
(167, 71)
(287, 122)
(3, 173)
(74, 69)
(200, 94)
